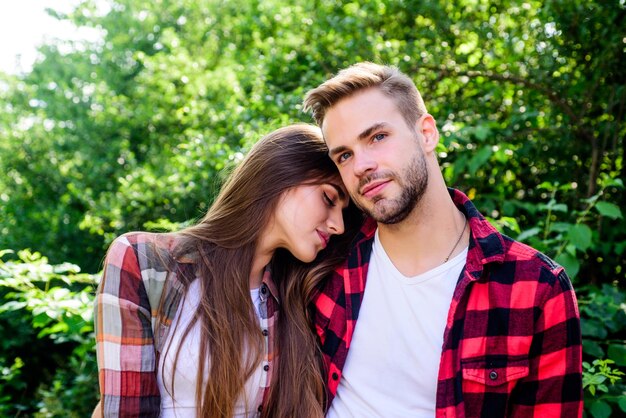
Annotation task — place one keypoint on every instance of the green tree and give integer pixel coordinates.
(134, 131)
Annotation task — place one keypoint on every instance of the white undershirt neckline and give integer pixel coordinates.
(393, 360)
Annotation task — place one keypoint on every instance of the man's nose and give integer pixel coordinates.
(363, 163)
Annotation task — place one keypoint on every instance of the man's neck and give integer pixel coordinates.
(426, 237)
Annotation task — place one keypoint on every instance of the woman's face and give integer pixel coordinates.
(307, 216)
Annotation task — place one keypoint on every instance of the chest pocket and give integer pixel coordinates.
(493, 373)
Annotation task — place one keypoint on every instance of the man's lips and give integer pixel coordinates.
(373, 188)
(325, 238)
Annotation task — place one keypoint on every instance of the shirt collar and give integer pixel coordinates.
(268, 283)
(486, 244)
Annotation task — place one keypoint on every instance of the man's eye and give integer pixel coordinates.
(343, 157)
(379, 137)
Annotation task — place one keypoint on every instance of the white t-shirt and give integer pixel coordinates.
(393, 359)
(184, 404)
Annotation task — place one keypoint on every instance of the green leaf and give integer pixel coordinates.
(622, 403)
(508, 222)
(597, 379)
(609, 210)
(592, 328)
(13, 306)
(482, 132)
(617, 353)
(592, 348)
(571, 250)
(569, 263)
(41, 320)
(580, 236)
(58, 328)
(528, 233)
(3, 252)
(560, 226)
(600, 409)
(559, 207)
(546, 185)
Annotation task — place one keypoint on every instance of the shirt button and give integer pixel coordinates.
(265, 333)
(260, 408)
(335, 376)
(266, 367)
(263, 289)
(493, 375)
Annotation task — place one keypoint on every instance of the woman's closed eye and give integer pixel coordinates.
(330, 202)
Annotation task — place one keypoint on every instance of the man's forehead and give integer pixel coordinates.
(352, 115)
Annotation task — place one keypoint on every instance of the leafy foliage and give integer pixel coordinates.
(134, 131)
(47, 311)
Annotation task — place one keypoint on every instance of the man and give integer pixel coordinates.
(434, 313)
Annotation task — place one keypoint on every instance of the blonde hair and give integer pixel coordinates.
(365, 75)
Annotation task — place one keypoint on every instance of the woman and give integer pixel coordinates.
(211, 321)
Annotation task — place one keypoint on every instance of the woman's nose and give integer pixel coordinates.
(335, 221)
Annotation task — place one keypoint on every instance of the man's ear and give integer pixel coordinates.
(427, 127)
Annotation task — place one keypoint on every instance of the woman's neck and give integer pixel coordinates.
(260, 260)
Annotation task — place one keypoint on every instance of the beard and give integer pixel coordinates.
(413, 182)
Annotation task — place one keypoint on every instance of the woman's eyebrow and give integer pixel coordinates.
(342, 194)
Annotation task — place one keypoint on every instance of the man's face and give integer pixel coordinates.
(379, 156)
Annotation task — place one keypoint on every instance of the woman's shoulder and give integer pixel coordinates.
(162, 240)
(147, 249)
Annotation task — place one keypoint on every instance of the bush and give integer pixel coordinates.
(46, 310)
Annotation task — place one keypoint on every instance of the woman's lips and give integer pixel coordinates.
(324, 237)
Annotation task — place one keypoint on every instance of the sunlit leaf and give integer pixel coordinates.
(609, 210)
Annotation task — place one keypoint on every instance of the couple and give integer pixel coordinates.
(253, 311)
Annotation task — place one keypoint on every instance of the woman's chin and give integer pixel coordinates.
(306, 258)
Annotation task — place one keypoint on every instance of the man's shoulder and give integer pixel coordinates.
(522, 262)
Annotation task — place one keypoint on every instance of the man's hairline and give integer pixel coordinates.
(410, 124)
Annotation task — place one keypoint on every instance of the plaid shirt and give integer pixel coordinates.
(512, 343)
(135, 304)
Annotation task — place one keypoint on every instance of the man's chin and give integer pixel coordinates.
(389, 215)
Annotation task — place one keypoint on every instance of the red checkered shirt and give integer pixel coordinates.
(512, 343)
(137, 300)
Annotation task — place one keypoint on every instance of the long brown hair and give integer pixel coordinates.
(223, 244)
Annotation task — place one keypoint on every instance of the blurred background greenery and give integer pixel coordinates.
(134, 131)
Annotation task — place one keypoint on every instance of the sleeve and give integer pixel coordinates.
(124, 337)
(555, 385)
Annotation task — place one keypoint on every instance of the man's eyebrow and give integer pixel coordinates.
(363, 135)
(368, 131)
(336, 150)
